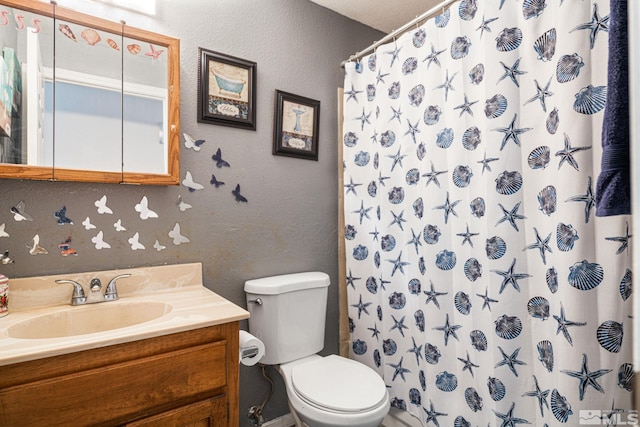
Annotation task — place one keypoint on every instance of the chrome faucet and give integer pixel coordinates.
(95, 296)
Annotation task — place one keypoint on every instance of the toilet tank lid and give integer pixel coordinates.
(275, 285)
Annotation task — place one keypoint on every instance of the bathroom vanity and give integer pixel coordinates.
(177, 369)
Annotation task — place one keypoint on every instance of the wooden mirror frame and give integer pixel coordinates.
(172, 46)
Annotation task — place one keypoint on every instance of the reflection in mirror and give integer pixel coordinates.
(87, 127)
(145, 107)
(68, 67)
(27, 52)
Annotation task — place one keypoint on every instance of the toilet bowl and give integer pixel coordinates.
(334, 391)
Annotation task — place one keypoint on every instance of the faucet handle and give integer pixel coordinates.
(78, 297)
(111, 293)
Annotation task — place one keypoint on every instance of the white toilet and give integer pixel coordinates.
(288, 316)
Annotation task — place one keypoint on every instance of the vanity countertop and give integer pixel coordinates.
(193, 306)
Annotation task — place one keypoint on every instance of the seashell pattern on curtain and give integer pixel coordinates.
(481, 286)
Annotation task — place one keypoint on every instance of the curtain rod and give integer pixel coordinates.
(428, 14)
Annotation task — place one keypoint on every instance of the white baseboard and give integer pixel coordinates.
(283, 421)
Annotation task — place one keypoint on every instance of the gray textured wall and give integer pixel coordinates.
(290, 221)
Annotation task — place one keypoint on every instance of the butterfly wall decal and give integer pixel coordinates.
(135, 242)
(101, 204)
(192, 143)
(177, 237)
(214, 181)
(182, 205)
(118, 225)
(3, 233)
(87, 224)
(98, 241)
(239, 197)
(217, 157)
(143, 209)
(158, 247)
(6, 259)
(61, 215)
(34, 246)
(190, 183)
(19, 213)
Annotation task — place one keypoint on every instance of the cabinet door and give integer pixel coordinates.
(207, 413)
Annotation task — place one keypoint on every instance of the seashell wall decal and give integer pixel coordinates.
(585, 275)
(134, 48)
(66, 30)
(91, 36)
(113, 44)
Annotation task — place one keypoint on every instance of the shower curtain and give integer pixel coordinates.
(481, 286)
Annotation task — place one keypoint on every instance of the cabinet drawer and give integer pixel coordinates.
(120, 391)
(207, 413)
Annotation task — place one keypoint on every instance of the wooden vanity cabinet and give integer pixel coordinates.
(184, 379)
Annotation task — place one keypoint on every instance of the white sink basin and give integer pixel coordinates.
(88, 319)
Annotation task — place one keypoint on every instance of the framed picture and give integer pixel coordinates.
(226, 90)
(296, 126)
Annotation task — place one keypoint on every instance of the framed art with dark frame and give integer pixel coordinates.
(226, 90)
(296, 126)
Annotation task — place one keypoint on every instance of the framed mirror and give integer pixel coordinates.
(91, 100)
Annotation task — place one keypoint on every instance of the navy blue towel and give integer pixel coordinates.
(613, 189)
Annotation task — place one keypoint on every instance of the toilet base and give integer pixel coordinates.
(310, 416)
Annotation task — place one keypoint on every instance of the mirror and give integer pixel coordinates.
(91, 100)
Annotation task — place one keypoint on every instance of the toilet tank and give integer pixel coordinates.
(288, 314)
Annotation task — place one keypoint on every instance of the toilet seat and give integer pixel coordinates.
(338, 384)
